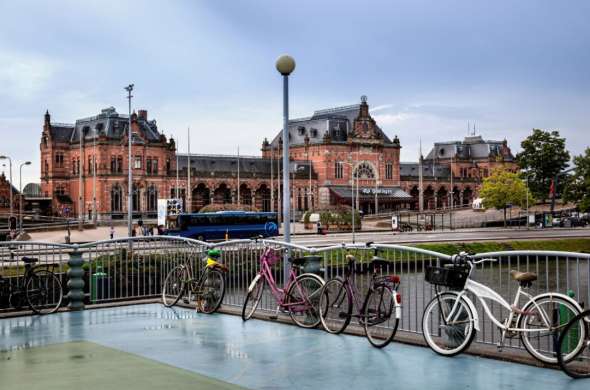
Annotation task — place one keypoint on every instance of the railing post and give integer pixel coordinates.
(76, 281)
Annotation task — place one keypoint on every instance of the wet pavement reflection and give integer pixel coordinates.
(266, 355)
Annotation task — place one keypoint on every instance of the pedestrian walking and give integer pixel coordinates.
(112, 231)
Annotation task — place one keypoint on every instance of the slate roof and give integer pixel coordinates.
(250, 166)
(429, 170)
(108, 123)
(338, 122)
(61, 132)
(472, 147)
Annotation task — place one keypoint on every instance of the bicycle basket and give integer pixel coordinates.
(271, 256)
(454, 278)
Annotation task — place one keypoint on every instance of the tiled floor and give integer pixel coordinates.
(255, 354)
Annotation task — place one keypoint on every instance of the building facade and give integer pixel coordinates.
(337, 155)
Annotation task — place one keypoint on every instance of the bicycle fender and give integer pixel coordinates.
(471, 306)
(474, 311)
(398, 308)
(562, 296)
(253, 283)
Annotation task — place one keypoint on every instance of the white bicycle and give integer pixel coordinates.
(451, 321)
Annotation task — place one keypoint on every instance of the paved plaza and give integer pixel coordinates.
(152, 347)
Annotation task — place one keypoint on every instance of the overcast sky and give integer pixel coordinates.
(427, 67)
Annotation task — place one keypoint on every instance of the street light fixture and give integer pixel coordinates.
(10, 168)
(129, 88)
(21, 194)
(286, 65)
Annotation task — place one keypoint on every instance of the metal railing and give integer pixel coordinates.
(127, 269)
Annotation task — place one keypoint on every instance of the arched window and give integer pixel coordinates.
(116, 199)
(136, 199)
(152, 198)
(364, 171)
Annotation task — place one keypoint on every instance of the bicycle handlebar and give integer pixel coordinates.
(465, 258)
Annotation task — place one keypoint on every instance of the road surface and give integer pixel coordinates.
(102, 233)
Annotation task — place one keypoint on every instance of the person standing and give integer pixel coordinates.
(112, 231)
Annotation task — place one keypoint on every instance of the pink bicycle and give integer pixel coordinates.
(299, 297)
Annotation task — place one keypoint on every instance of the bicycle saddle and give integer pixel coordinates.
(523, 276)
(29, 260)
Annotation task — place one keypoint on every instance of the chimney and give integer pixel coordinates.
(142, 114)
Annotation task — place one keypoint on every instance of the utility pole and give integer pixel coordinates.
(452, 196)
(239, 199)
(11, 185)
(94, 216)
(129, 88)
(189, 192)
(272, 190)
(420, 181)
(177, 181)
(80, 183)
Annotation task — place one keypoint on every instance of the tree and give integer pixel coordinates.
(577, 188)
(543, 156)
(502, 189)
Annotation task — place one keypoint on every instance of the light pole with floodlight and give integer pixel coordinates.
(286, 65)
(22, 197)
(129, 88)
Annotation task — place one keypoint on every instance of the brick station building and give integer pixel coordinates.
(84, 165)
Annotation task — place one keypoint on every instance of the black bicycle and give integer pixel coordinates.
(578, 365)
(207, 290)
(40, 289)
(380, 310)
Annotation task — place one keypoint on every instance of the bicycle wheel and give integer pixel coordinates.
(538, 339)
(335, 306)
(303, 298)
(457, 334)
(44, 291)
(578, 365)
(211, 291)
(253, 298)
(380, 325)
(174, 285)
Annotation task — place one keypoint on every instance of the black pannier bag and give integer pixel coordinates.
(454, 277)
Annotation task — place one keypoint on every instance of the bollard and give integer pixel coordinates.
(76, 281)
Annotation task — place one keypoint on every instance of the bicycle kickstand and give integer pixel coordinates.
(276, 315)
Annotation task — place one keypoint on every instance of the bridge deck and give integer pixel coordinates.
(151, 347)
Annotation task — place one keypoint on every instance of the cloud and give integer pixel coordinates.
(24, 76)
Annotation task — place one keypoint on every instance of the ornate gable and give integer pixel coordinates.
(364, 128)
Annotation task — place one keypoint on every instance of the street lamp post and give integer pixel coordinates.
(129, 88)
(10, 168)
(285, 65)
(94, 211)
(20, 203)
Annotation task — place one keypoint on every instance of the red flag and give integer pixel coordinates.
(551, 189)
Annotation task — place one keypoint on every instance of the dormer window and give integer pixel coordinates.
(441, 152)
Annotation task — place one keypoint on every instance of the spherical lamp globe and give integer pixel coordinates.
(285, 64)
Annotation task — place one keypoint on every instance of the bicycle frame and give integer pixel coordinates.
(278, 293)
(483, 292)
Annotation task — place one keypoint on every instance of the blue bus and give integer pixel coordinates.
(222, 224)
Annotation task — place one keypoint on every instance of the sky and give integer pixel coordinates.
(428, 68)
